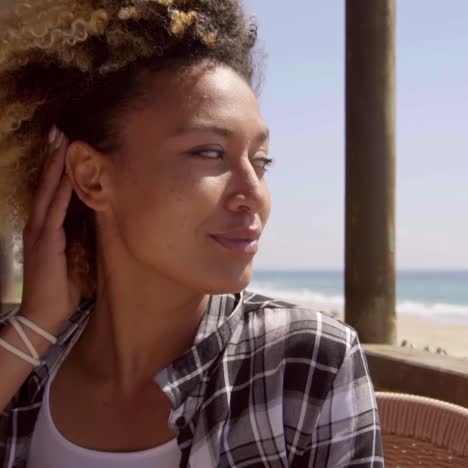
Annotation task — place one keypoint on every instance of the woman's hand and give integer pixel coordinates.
(49, 295)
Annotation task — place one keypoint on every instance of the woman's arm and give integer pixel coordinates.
(49, 295)
(13, 369)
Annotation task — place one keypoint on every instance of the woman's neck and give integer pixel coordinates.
(141, 323)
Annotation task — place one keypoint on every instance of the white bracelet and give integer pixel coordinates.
(19, 353)
(25, 338)
(37, 329)
(34, 358)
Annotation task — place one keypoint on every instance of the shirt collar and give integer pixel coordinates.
(181, 377)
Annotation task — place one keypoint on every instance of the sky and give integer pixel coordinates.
(302, 101)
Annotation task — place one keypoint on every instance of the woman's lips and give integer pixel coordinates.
(239, 246)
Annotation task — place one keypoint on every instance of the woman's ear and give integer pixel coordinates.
(90, 174)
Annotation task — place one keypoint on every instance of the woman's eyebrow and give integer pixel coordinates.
(223, 131)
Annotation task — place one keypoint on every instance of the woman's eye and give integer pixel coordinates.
(263, 163)
(208, 154)
(266, 162)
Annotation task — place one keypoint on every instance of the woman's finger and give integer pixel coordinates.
(59, 204)
(50, 180)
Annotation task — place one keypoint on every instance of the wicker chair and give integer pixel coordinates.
(422, 432)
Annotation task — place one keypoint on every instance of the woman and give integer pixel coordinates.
(135, 154)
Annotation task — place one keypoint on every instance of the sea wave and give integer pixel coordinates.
(455, 313)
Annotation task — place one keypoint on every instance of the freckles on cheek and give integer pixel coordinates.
(195, 188)
(212, 188)
(177, 196)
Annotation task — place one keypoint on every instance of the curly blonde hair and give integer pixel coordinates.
(79, 64)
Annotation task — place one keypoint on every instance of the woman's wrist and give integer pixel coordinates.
(49, 323)
(13, 338)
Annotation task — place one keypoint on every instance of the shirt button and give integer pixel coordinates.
(180, 421)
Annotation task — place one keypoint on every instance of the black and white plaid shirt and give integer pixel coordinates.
(266, 384)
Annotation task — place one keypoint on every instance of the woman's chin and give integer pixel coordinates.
(230, 284)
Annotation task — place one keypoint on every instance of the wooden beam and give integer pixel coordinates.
(370, 170)
(398, 369)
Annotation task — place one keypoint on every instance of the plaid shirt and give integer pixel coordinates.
(266, 384)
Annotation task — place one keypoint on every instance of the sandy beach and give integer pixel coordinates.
(420, 333)
(449, 336)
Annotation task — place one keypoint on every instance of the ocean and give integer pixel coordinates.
(433, 295)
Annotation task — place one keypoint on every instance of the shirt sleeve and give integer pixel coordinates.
(348, 428)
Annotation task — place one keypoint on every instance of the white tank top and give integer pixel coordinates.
(50, 449)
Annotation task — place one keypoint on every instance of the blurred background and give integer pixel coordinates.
(302, 256)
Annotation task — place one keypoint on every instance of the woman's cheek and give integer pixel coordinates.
(212, 188)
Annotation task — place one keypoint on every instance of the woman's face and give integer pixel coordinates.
(192, 165)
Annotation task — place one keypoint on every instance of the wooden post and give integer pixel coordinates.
(370, 170)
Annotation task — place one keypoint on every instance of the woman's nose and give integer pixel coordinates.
(249, 188)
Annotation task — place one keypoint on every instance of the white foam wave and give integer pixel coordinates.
(438, 311)
(300, 296)
(456, 313)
